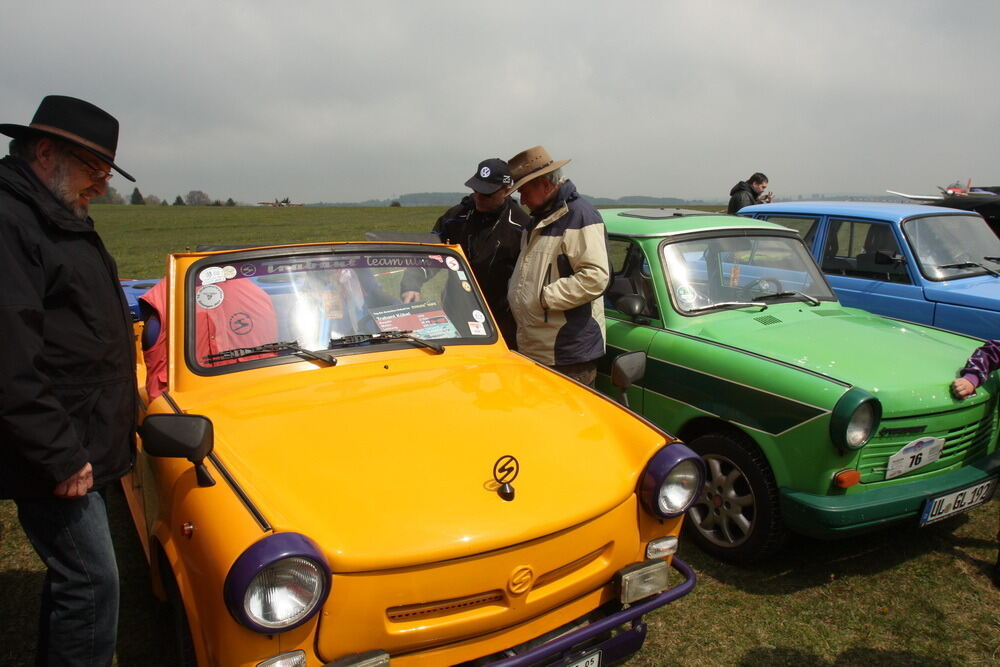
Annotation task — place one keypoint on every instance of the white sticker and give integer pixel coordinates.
(461, 275)
(478, 316)
(248, 270)
(484, 172)
(210, 296)
(477, 329)
(213, 274)
(229, 272)
(452, 263)
(466, 286)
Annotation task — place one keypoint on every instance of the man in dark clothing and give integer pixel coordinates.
(67, 368)
(487, 225)
(750, 191)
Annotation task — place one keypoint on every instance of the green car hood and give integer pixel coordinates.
(907, 366)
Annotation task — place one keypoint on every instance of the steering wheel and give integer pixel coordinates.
(762, 285)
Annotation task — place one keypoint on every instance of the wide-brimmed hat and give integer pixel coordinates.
(532, 163)
(491, 175)
(77, 122)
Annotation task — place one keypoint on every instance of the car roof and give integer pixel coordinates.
(867, 209)
(670, 221)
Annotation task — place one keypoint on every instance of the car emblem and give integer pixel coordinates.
(520, 580)
(505, 471)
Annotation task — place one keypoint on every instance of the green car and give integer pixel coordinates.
(812, 417)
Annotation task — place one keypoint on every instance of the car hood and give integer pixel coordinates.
(393, 466)
(908, 367)
(977, 292)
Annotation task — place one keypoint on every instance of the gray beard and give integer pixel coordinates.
(60, 188)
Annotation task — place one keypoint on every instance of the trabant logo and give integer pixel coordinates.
(520, 580)
(505, 469)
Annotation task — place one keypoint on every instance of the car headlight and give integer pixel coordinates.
(278, 583)
(854, 419)
(672, 481)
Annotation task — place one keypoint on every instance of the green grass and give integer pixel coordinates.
(901, 596)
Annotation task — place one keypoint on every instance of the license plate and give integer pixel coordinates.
(589, 660)
(943, 507)
(914, 455)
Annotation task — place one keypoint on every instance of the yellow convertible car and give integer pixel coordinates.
(329, 476)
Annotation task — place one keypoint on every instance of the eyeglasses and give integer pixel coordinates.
(95, 173)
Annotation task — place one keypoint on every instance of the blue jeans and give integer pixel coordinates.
(78, 624)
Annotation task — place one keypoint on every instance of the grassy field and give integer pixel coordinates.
(902, 596)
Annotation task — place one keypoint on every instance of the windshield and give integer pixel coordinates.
(939, 242)
(253, 306)
(706, 274)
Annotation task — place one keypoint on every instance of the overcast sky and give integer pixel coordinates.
(347, 101)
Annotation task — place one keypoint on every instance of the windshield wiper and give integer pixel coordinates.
(995, 260)
(385, 337)
(279, 346)
(969, 265)
(811, 300)
(730, 304)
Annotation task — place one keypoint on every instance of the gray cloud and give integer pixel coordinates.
(350, 101)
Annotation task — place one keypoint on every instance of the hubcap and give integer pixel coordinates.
(724, 513)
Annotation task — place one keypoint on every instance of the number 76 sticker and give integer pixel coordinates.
(914, 455)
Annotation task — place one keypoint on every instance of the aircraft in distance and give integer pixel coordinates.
(278, 202)
(984, 200)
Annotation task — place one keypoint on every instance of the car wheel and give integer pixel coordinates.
(183, 644)
(736, 518)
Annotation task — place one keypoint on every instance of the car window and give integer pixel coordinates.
(806, 227)
(617, 252)
(952, 246)
(705, 274)
(313, 299)
(864, 249)
(630, 275)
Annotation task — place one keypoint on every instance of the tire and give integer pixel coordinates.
(183, 644)
(736, 518)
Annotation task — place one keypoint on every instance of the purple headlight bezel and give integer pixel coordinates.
(663, 461)
(261, 555)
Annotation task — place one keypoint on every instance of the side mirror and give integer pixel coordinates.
(632, 305)
(190, 437)
(627, 369)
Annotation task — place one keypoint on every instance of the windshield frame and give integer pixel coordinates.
(674, 282)
(193, 281)
(919, 250)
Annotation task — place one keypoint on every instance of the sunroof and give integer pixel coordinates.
(662, 213)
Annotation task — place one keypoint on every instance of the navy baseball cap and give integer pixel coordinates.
(492, 175)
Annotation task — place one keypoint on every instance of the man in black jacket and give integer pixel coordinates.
(750, 191)
(487, 225)
(67, 370)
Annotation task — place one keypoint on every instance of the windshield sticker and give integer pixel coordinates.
(466, 286)
(212, 274)
(425, 320)
(229, 272)
(240, 324)
(477, 329)
(452, 263)
(248, 270)
(478, 316)
(209, 296)
(461, 275)
(686, 295)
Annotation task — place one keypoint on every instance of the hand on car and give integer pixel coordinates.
(961, 388)
(76, 485)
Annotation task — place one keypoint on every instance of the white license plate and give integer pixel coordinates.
(943, 507)
(914, 455)
(589, 660)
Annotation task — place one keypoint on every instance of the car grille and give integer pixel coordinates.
(965, 441)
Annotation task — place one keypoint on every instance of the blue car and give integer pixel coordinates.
(925, 264)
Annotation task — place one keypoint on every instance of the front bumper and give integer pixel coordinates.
(832, 516)
(617, 647)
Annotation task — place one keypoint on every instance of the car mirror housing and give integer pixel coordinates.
(632, 305)
(627, 369)
(180, 436)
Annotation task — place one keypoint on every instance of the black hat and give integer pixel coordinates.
(78, 122)
(492, 175)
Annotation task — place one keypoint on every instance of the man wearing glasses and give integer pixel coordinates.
(68, 399)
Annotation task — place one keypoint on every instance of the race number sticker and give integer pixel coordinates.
(916, 454)
(213, 274)
(210, 296)
(477, 329)
(452, 263)
(478, 316)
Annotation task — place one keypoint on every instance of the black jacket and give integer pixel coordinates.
(67, 368)
(741, 195)
(491, 241)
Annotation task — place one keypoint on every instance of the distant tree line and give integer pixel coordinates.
(193, 198)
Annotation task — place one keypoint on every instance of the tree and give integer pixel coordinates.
(230, 202)
(136, 199)
(197, 198)
(110, 196)
(164, 203)
(152, 200)
(178, 201)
